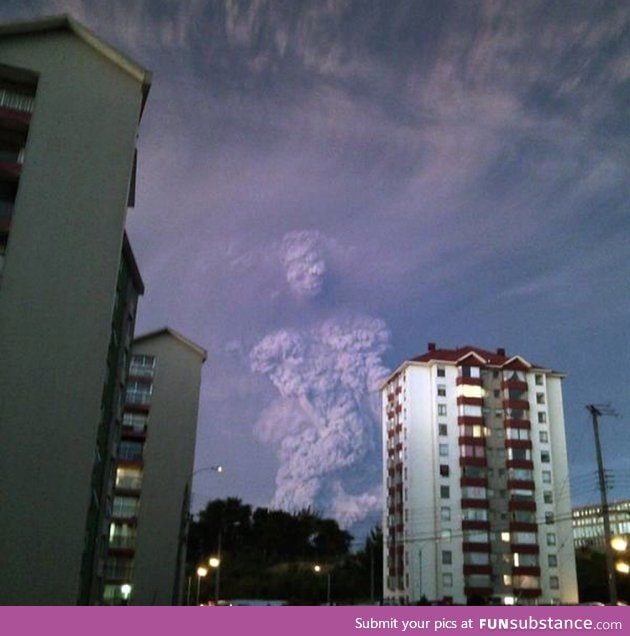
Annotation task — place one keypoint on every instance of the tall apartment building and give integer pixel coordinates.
(70, 106)
(588, 524)
(477, 490)
(147, 535)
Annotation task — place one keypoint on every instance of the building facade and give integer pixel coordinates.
(147, 534)
(476, 481)
(70, 106)
(588, 524)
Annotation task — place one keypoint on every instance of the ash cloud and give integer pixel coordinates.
(303, 257)
(324, 424)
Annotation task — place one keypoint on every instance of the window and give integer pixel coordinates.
(548, 497)
(122, 535)
(138, 392)
(445, 535)
(521, 474)
(521, 454)
(507, 580)
(546, 476)
(447, 579)
(473, 492)
(136, 422)
(474, 514)
(142, 366)
(445, 513)
(476, 558)
(444, 470)
(125, 507)
(552, 560)
(540, 398)
(128, 478)
(542, 417)
(518, 433)
(445, 492)
(544, 457)
(447, 557)
(470, 372)
(498, 412)
(472, 451)
(551, 538)
(470, 410)
(524, 538)
(443, 430)
(443, 450)
(472, 430)
(525, 582)
(441, 409)
(130, 451)
(524, 516)
(525, 560)
(539, 379)
(476, 536)
(554, 582)
(496, 393)
(441, 390)
(544, 437)
(441, 372)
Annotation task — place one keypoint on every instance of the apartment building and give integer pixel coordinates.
(147, 534)
(477, 501)
(70, 106)
(588, 524)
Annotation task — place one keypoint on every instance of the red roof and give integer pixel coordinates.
(453, 355)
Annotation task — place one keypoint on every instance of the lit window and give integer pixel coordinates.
(470, 391)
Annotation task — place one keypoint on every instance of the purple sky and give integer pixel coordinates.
(325, 186)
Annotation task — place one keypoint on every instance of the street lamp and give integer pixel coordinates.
(215, 562)
(201, 572)
(125, 591)
(318, 570)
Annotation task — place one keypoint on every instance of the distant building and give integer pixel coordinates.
(70, 106)
(588, 524)
(476, 481)
(154, 470)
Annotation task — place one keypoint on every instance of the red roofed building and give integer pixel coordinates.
(477, 501)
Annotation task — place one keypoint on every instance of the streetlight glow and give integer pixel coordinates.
(214, 562)
(622, 567)
(202, 571)
(619, 544)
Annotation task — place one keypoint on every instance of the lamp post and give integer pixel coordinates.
(318, 570)
(201, 572)
(215, 563)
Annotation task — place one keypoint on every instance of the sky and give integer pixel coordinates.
(327, 185)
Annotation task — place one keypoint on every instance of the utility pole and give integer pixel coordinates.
(596, 411)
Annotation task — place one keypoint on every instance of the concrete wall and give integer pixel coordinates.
(56, 301)
(168, 463)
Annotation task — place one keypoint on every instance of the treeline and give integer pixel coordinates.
(272, 554)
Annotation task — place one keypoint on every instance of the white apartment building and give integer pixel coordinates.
(478, 505)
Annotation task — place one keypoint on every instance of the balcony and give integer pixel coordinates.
(13, 100)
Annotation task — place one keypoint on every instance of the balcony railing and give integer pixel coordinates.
(16, 101)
